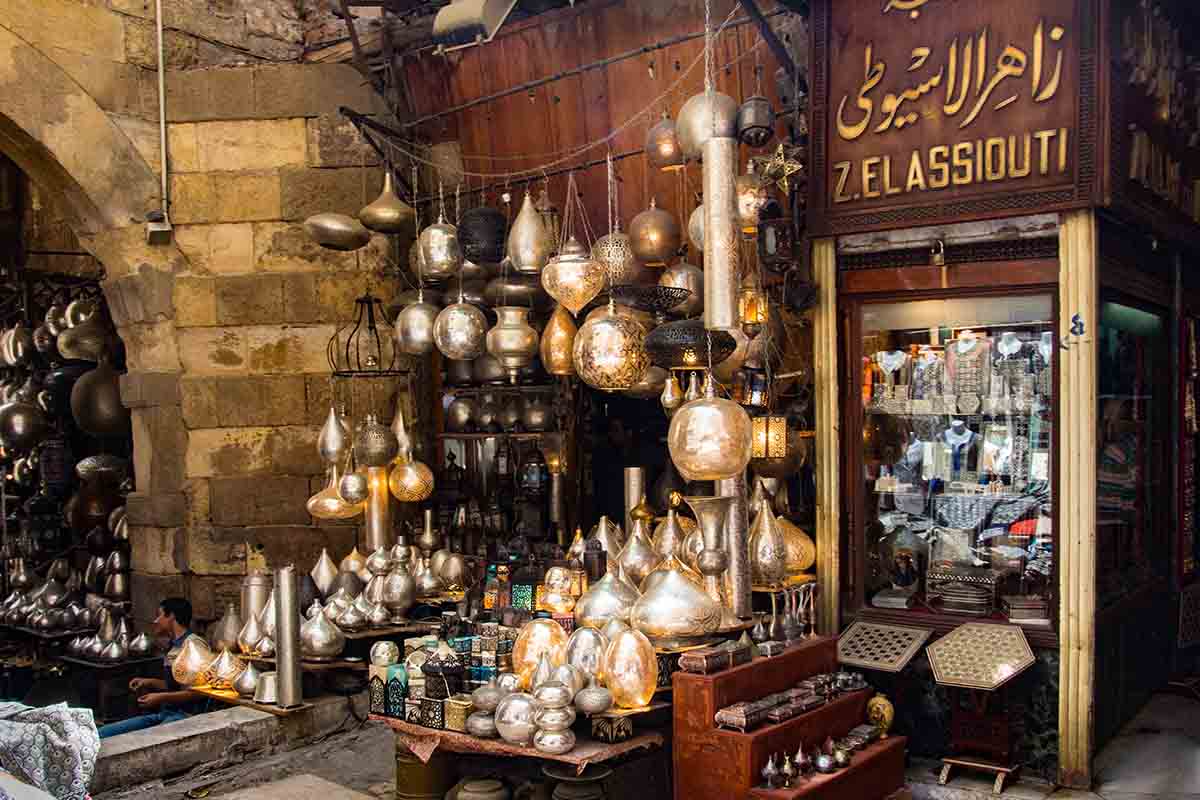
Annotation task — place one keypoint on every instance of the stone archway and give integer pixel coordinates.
(61, 137)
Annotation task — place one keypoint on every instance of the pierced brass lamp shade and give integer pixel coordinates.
(695, 124)
(768, 548)
(662, 145)
(610, 352)
(512, 341)
(572, 277)
(459, 331)
(685, 276)
(530, 242)
(710, 438)
(410, 481)
(605, 600)
(614, 253)
(441, 256)
(539, 637)
(654, 236)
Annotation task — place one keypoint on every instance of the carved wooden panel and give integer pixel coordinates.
(934, 111)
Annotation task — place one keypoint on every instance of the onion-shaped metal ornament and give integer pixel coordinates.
(441, 256)
(768, 548)
(512, 340)
(530, 242)
(638, 557)
(96, 403)
(654, 236)
(388, 213)
(756, 121)
(685, 276)
(609, 352)
(334, 438)
(558, 338)
(459, 331)
(414, 327)
(482, 234)
(674, 610)
(710, 438)
(324, 573)
(672, 395)
(192, 661)
(662, 145)
(607, 599)
(572, 277)
(337, 231)
(696, 118)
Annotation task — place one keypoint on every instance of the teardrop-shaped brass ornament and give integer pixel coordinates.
(558, 338)
(530, 243)
(388, 213)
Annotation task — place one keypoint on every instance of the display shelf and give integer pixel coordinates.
(230, 697)
(110, 665)
(941, 622)
(317, 666)
(502, 388)
(479, 437)
(586, 751)
(875, 772)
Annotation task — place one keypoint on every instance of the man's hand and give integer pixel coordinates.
(138, 684)
(152, 700)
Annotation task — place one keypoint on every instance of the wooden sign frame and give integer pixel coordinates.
(1079, 181)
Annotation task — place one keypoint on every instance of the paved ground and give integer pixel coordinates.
(356, 765)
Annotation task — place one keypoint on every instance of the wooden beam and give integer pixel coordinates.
(1075, 494)
(828, 427)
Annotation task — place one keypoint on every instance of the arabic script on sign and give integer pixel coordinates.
(969, 78)
(913, 7)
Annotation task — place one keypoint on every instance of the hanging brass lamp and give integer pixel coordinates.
(530, 242)
(558, 339)
(387, 213)
(662, 145)
(610, 352)
(704, 116)
(654, 236)
(710, 438)
(573, 277)
(512, 340)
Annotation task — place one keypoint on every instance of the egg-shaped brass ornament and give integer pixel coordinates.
(414, 327)
(337, 231)
(609, 352)
(530, 242)
(558, 338)
(710, 438)
(631, 669)
(572, 277)
(459, 331)
(388, 213)
(685, 276)
(662, 145)
(441, 256)
(768, 548)
(697, 121)
(672, 395)
(585, 651)
(538, 638)
(654, 236)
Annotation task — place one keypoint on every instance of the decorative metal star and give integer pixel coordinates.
(780, 166)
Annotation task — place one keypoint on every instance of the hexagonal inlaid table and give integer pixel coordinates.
(980, 655)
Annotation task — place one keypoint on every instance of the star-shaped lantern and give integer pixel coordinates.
(780, 166)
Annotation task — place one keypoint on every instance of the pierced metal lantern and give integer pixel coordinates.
(530, 242)
(482, 233)
(459, 330)
(614, 252)
(654, 236)
(610, 352)
(775, 243)
(558, 339)
(414, 327)
(440, 253)
(662, 145)
(685, 276)
(752, 194)
(756, 121)
(770, 438)
(685, 344)
(572, 277)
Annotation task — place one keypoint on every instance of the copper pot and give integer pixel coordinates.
(96, 403)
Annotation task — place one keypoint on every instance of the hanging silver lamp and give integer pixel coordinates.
(441, 256)
(459, 331)
(654, 236)
(387, 213)
(697, 122)
(662, 145)
(756, 121)
(530, 242)
(337, 231)
(414, 327)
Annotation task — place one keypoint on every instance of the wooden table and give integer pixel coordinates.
(104, 686)
(424, 741)
(314, 666)
(230, 697)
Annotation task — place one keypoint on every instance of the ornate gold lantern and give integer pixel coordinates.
(710, 438)
(610, 352)
(530, 243)
(572, 277)
(654, 236)
(770, 439)
(662, 145)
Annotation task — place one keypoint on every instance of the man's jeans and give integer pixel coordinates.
(142, 722)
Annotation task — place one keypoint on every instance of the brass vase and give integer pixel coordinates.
(638, 557)
(712, 562)
(768, 549)
(512, 340)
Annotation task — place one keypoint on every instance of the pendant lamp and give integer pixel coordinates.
(573, 277)
(387, 213)
(530, 243)
(414, 327)
(610, 352)
(685, 276)
(662, 145)
(557, 345)
(710, 438)
(459, 331)
(441, 255)
(654, 236)
(696, 122)
(512, 341)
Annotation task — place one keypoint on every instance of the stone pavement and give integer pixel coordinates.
(296, 787)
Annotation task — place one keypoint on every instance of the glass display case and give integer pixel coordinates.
(957, 412)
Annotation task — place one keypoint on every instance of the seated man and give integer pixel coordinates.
(164, 698)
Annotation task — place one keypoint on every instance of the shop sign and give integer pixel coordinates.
(934, 111)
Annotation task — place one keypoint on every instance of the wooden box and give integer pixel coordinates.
(711, 764)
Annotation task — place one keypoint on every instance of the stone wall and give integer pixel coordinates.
(225, 329)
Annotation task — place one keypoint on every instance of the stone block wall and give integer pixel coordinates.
(226, 329)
